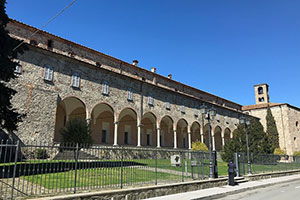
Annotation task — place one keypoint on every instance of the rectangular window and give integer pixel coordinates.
(130, 94)
(168, 107)
(75, 80)
(105, 87)
(103, 137)
(196, 112)
(226, 120)
(182, 109)
(126, 135)
(18, 69)
(217, 117)
(150, 100)
(48, 73)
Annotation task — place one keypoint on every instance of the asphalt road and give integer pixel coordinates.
(285, 191)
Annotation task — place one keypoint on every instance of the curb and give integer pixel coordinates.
(214, 196)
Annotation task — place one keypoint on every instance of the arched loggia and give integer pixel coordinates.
(102, 124)
(68, 109)
(182, 135)
(127, 127)
(149, 135)
(166, 132)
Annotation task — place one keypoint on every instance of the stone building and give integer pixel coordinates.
(126, 105)
(287, 118)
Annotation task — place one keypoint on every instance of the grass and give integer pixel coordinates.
(98, 177)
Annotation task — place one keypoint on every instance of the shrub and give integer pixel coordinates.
(296, 153)
(76, 131)
(41, 154)
(279, 152)
(199, 146)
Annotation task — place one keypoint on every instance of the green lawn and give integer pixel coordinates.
(98, 177)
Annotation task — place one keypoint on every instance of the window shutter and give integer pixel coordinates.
(182, 109)
(168, 105)
(129, 97)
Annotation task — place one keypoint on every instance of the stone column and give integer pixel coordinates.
(139, 135)
(116, 134)
(175, 139)
(190, 140)
(223, 141)
(213, 142)
(202, 135)
(158, 138)
(223, 137)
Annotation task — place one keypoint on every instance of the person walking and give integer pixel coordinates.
(231, 173)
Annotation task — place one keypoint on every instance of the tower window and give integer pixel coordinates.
(262, 99)
(297, 123)
(33, 42)
(260, 90)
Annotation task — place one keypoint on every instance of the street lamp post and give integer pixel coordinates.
(246, 122)
(209, 112)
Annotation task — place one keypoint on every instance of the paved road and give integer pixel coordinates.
(285, 191)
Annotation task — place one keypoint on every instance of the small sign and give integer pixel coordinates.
(175, 160)
(193, 163)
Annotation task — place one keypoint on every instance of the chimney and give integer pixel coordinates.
(135, 62)
(153, 69)
(170, 76)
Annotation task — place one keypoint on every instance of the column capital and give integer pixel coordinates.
(116, 122)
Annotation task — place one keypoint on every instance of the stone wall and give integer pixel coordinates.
(286, 118)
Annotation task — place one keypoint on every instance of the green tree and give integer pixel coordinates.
(257, 140)
(76, 131)
(9, 117)
(272, 131)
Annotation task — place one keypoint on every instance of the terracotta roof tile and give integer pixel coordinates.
(257, 106)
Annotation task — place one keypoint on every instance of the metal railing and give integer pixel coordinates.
(265, 163)
(49, 169)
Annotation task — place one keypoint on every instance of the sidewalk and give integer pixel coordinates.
(218, 192)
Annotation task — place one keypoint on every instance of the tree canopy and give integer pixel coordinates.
(9, 117)
(272, 131)
(257, 140)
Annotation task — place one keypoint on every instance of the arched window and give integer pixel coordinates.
(261, 99)
(260, 90)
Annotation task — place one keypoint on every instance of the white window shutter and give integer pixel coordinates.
(46, 73)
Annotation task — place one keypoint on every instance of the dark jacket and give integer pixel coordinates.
(231, 167)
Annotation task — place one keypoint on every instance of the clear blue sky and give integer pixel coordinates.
(223, 47)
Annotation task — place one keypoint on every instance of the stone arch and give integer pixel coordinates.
(234, 133)
(227, 133)
(127, 128)
(218, 138)
(166, 131)
(148, 135)
(68, 109)
(195, 131)
(206, 135)
(181, 133)
(102, 123)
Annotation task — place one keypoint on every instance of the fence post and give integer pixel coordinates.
(76, 166)
(182, 168)
(122, 166)
(156, 167)
(14, 172)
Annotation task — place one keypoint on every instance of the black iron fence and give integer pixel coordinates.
(264, 163)
(49, 169)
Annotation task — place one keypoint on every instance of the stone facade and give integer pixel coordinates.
(161, 113)
(287, 120)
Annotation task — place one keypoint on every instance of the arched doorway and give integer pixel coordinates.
(166, 132)
(149, 135)
(127, 128)
(68, 109)
(218, 138)
(182, 136)
(102, 124)
(227, 133)
(195, 132)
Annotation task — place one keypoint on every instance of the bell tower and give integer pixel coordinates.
(261, 93)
